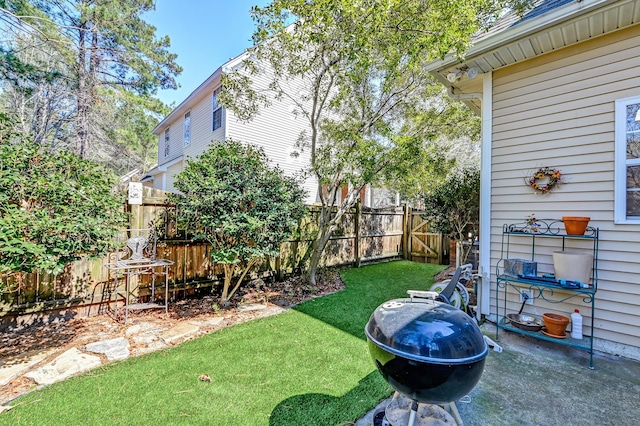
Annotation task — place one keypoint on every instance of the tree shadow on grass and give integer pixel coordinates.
(349, 310)
(320, 409)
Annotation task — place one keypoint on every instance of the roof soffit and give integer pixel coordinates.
(562, 27)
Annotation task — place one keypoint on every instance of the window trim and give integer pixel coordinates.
(186, 135)
(621, 161)
(215, 107)
(166, 142)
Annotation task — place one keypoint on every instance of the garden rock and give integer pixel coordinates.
(113, 349)
(145, 338)
(143, 328)
(10, 369)
(151, 347)
(251, 307)
(179, 332)
(66, 365)
(208, 322)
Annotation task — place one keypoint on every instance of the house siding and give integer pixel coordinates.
(201, 126)
(176, 141)
(157, 182)
(558, 111)
(276, 129)
(172, 171)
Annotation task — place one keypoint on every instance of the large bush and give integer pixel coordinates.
(453, 206)
(54, 206)
(232, 199)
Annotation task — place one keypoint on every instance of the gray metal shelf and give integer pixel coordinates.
(138, 257)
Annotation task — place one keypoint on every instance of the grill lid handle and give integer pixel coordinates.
(419, 294)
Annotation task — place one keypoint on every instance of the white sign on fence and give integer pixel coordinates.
(135, 193)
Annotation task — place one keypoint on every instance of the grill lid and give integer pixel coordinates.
(427, 331)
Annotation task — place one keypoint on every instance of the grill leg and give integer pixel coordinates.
(414, 412)
(451, 408)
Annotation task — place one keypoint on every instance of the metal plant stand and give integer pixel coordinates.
(543, 287)
(138, 257)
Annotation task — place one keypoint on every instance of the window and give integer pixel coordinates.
(187, 129)
(166, 142)
(627, 160)
(217, 109)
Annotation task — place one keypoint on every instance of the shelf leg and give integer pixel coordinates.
(126, 299)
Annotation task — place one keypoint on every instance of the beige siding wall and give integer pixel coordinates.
(558, 111)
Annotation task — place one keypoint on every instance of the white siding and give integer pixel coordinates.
(157, 182)
(201, 126)
(276, 129)
(176, 141)
(558, 111)
(171, 172)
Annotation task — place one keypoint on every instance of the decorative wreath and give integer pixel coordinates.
(551, 178)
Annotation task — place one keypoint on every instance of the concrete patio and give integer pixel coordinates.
(535, 382)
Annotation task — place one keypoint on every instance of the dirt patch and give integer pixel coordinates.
(77, 332)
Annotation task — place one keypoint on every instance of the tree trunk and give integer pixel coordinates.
(241, 279)
(328, 223)
(319, 245)
(229, 270)
(228, 275)
(89, 59)
(82, 103)
(326, 226)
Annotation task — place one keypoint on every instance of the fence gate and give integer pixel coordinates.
(424, 246)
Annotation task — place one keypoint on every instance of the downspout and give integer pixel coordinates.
(484, 267)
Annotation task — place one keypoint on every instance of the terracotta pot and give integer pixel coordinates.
(575, 225)
(556, 324)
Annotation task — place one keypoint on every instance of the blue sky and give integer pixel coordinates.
(205, 34)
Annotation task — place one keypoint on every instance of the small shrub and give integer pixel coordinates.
(232, 199)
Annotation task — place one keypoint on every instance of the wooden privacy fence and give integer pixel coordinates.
(363, 236)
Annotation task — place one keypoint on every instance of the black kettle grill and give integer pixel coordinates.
(426, 349)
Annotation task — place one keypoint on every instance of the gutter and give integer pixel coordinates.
(522, 30)
(464, 96)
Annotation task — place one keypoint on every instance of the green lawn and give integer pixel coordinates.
(307, 366)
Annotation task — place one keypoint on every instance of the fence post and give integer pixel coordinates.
(278, 266)
(357, 240)
(405, 231)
